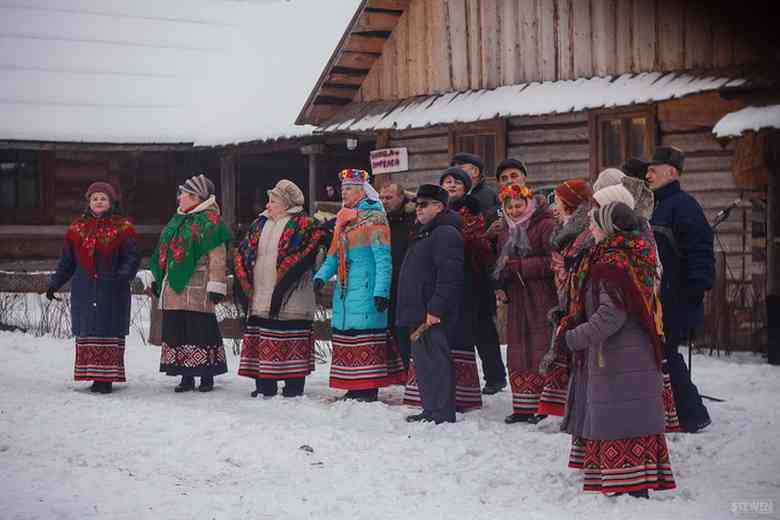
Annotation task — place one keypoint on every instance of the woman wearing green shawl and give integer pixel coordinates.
(189, 267)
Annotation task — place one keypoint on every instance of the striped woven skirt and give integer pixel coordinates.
(362, 360)
(191, 344)
(623, 465)
(100, 359)
(277, 349)
(468, 395)
(556, 386)
(526, 390)
(670, 408)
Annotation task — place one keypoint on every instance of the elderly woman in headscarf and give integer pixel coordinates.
(359, 256)
(616, 410)
(189, 276)
(273, 267)
(523, 280)
(101, 256)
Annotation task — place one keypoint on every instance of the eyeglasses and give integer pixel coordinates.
(422, 204)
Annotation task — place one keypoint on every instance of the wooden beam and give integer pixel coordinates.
(395, 5)
(356, 60)
(227, 177)
(373, 22)
(314, 152)
(337, 91)
(345, 79)
(360, 43)
(94, 147)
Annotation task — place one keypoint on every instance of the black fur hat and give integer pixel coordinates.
(433, 192)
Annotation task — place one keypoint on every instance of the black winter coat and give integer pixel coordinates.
(684, 239)
(431, 278)
(99, 304)
(488, 201)
(402, 227)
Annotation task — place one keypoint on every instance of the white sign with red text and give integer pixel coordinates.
(389, 160)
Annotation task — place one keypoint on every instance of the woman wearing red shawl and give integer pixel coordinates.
(100, 256)
(615, 405)
(523, 280)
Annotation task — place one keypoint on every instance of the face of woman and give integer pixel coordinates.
(515, 208)
(187, 201)
(99, 203)
(275, 207)
(598, 234)
(454, 187)
(351, 195)
(560, 210)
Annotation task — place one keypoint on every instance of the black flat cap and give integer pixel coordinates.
(468, 158)
(511, 163)
(669, 155)
(433, 192)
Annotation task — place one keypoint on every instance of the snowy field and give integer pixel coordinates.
(145, 452)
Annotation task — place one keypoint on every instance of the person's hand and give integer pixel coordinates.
(432, 320)
(216, 298)
(381, 303)
(495, 228)
(501, 297)
(318, 285)
(155, 289)
(50, 294)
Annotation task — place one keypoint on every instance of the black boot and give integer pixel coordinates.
(95, 386)
(516, 418)
(293, 387)
(419, 417)
(640, 493)
(206, 384)
(366, 396)
(258, 388)
(536, 418)
(187, 384)
(105, 387)
(493, 388)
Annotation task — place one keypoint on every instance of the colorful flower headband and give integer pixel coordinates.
(514, 192)
(353, 176)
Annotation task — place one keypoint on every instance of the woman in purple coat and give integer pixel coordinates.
(615, 406)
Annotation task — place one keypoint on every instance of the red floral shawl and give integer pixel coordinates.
(102, 235)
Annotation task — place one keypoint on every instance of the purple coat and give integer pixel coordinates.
(621, 397)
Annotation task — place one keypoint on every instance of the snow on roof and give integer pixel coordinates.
(749, 118)
(526, 99)
(150, 71)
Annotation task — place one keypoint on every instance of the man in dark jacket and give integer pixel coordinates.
(685, 247)
(401, 217)
(429, 290)
(475, 167)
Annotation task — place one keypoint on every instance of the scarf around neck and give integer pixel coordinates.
(184, 240)
(90, 235)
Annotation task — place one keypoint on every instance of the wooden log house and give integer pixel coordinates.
(568, 87)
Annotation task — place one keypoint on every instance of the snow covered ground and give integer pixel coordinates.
(145, 452)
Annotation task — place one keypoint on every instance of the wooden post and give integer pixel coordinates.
(773, 215)
(227, 164)
(315, 153)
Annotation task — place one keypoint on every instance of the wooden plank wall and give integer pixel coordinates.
(445, 45)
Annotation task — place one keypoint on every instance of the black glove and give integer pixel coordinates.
(155, 289)
(215, 297)
(381, 303)
(318, 285)
(50, 294)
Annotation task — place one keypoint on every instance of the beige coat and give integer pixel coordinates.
(210, 276)
(300, 305)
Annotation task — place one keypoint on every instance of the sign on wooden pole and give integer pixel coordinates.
(389, 160)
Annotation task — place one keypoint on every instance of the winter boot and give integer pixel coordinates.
(536, 418)
(206, 384)
(95, 386)
(293, 387)
(366, 396)
(258, 388)
(187, 384)
(419, 417)
(105, 387)
(517, 417)
(493, 388)
(640, 493)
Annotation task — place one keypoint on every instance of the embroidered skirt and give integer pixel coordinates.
(191, 344)
(277, 349)
(526, 390)
(670, 408)
(623, 465)
(100, 359)
(552, 401)
(362, 360)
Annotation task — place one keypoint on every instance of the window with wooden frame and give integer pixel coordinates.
(616, 136)
(488, 140)
(20, 185)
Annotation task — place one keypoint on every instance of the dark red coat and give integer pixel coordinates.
(528, 330)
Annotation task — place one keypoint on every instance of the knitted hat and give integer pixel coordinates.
(608, 177)
(457, 174)
(615, 217)
(102, 187)
(198, 185)
(614, 194)
(433, 192)
(468, 158)
(574, 192)
(514, 192)
(507, 164)
(643, 196)
(289, 193)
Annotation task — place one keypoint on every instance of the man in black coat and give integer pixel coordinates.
(685, 246)
(429, 290)
(487, 197)
(401, 217)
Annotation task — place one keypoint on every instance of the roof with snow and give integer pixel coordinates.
(526, 99)
(146, 71)
(749, 118)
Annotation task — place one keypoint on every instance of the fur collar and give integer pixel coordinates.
(565, 235)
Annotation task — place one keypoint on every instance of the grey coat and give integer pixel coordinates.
(621, 398)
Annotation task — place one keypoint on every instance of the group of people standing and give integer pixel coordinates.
(599, 289)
